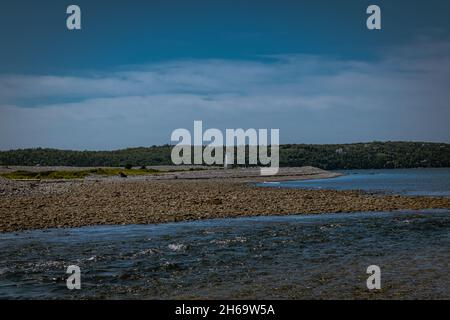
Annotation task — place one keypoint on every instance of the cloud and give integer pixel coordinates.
(402, 95)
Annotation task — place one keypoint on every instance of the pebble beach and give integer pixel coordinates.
(182, 196)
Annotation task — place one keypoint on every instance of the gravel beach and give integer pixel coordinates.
(179, 196)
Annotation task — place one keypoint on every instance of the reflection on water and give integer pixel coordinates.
(428, 182)
(317, 256)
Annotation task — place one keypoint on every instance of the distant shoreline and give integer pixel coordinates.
(364, 155)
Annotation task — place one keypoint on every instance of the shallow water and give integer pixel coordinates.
(428, 182)
(316, 256)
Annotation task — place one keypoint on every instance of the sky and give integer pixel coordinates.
(138, 70)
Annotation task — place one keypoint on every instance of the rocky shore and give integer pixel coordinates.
(189, 195)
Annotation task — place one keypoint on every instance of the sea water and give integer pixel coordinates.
(293, 257)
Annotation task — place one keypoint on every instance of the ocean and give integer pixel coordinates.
(289, 257)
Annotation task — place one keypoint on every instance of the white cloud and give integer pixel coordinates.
(401, 96)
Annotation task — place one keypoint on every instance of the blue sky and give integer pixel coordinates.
(140, 69)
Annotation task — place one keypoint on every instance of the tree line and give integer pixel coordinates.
(372, 155)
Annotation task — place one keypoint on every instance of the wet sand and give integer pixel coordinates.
(180, 196)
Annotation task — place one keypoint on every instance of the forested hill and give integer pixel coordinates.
(331, 156)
